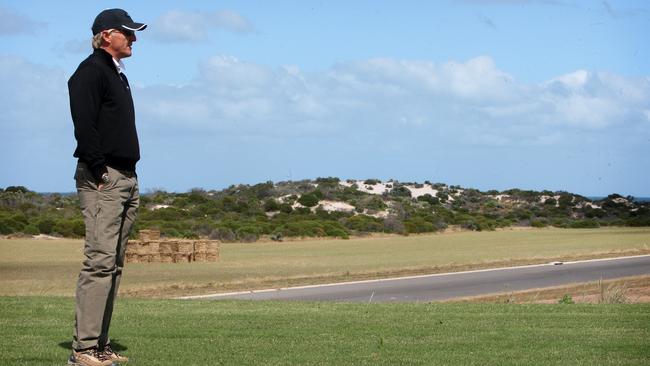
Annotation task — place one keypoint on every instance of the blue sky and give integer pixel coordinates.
(484, 94)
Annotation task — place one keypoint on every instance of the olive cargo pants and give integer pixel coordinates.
(109, 214)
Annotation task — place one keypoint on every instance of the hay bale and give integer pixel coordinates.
(212, 257)
(144, 258)
(154, 247)
(132, 258)
(200, 257)
(132, 246)
(185, 247)
(147, 235)
(148, 247)
(166, 247)
(182, 257)
(200, 246)
(166, 258)
(154, 257)
(212, 246)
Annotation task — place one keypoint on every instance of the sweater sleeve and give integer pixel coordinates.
(85, 88)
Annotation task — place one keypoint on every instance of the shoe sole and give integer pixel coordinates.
(74, 363)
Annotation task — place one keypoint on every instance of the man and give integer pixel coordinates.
(107, 149)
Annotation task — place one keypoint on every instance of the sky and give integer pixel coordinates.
(492, 94)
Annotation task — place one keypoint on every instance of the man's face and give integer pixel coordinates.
(119, 42)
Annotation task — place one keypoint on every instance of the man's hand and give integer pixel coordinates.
(105, 180)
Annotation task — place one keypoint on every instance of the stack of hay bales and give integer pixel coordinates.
(206, 251)
(150, 248)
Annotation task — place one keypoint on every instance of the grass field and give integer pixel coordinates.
(36, 331)
(50, 267)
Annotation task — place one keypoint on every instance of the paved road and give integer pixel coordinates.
(452, 285)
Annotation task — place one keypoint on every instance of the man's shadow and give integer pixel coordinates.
(115, 344)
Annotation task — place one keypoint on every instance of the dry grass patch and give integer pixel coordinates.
(628, 290)
(50, 267)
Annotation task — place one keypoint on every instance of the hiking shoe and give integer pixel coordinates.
(89, 357)
(113, 356)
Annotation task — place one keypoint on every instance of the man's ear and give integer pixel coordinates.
(106, 37)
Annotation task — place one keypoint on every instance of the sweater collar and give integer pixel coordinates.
(118, 66)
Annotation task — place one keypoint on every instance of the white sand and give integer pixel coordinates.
(330, 206)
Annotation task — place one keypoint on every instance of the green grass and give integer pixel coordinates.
(37, 330)
(32, 267)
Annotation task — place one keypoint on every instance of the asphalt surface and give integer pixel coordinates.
(453, 285)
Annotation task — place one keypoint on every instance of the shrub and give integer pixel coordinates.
(329, 181)
(638, 221)
(46, 225)
(308, 200)
(584, 224)
(222, 234)
(429, 198)
(376, 203)
(271, 205)
(364, 223)
(418, 225)
(566, 299)
(16, 189)
(442, 196)
(286, 208)
(392, 224)
(400, 191)
(539, 223)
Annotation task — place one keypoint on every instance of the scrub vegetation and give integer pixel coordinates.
(247, 213)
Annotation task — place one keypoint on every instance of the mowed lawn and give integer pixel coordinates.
(50, 267)
(37, 331)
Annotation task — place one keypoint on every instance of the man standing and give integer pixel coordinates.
(107, 149)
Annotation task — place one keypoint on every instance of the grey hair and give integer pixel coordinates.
(97, 41)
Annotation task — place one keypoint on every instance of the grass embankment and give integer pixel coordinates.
(36, 331)
(31, 267)
(625, 290)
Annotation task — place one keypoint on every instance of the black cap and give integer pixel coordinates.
(115, 19)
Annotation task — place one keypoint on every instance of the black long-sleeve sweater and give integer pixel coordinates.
(103, 115)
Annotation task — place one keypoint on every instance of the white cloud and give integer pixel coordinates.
(194, 26)
(34, 97)
(73, 47)
(375, 110)
(14, 23)
(453, 103)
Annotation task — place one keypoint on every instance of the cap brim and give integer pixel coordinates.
(134, 26)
